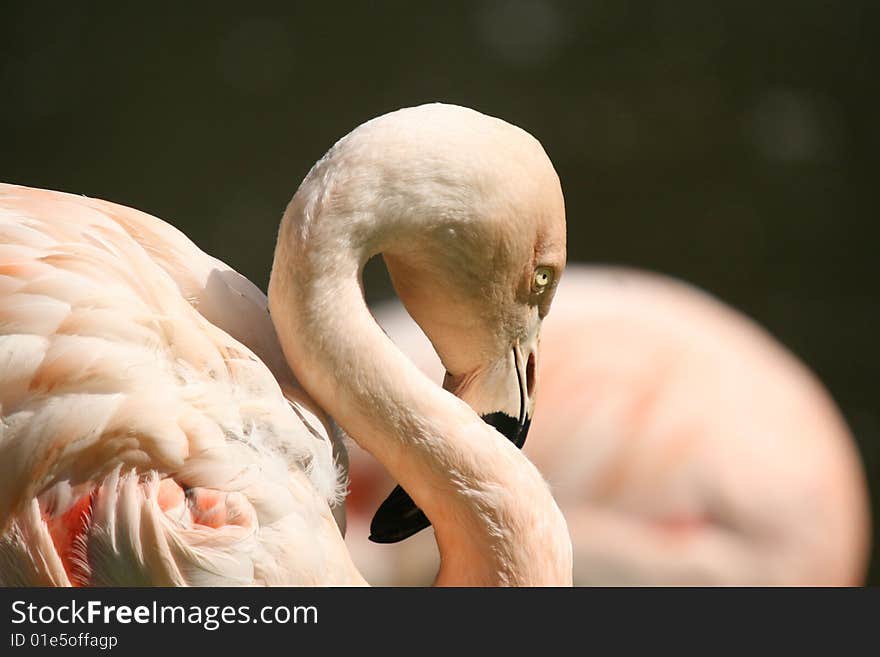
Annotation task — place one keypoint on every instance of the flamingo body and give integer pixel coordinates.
(118, 358)
(158, 427)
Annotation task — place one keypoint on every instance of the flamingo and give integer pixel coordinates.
(682, 442)
(163, 422)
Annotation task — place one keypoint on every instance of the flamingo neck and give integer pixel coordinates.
(495, 521)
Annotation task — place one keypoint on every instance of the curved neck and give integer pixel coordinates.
(494, 518)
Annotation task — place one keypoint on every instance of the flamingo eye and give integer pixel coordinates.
(543, 278)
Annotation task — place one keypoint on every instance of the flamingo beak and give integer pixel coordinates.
(398, 517)
(516, 429)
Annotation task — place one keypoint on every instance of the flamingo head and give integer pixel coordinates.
(475, 246)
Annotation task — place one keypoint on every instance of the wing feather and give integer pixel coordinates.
(125, 349)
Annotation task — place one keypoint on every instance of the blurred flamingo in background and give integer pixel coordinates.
(683, 443)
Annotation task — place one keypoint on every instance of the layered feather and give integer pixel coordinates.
(128, 356)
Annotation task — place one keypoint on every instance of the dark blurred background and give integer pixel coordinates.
(728, 144)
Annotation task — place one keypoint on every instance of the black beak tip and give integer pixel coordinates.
(510, 427)
(397, 518)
